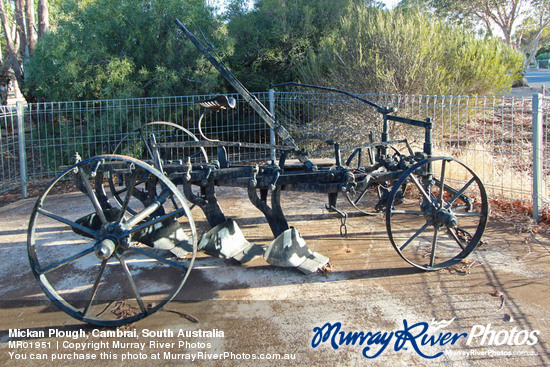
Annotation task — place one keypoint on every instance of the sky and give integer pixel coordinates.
(389, 3)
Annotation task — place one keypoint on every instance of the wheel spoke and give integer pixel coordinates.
(441, 189)
(360, 197)
(66, 261)
(462, 190)
(421, 189)
(96, 286)
(467, 214)
(132, 284)
(70, 223)
(414, 236)
(92, 196)
(413, 212)
(133, 180)
(455, 237)
(434, 245)
(152, 255)
(154, 221)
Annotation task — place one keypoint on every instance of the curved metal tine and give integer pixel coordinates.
(462, 190)
(133, 183)
(442, 187)
(455, 237)
(92, 196)
(422, 191)
(434, 246)
(96, 286)
(132, 283)
(159, 258)
(66, 261)
(414, 236)
(70, 223)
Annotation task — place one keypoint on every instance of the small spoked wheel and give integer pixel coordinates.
(109, 263)
(140, 144)
(440, 218)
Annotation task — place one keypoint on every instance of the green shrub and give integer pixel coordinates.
(409, 52)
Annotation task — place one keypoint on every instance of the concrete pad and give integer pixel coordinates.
(264, 312)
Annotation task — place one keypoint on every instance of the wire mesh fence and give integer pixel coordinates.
(55, 132)
(9, 150)
(492, 135)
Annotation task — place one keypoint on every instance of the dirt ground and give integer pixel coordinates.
(262, 310)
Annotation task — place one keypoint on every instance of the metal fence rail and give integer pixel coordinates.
(493, 135)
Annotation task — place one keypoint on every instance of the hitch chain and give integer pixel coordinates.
(343, 225)
(343, 220)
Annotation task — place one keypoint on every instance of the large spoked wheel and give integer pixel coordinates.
(440, 218)
(107, 263)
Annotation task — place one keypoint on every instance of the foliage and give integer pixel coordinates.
(274, 38)
(123, 49)
(405, 51)
(20, 34)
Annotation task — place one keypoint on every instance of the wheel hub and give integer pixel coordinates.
(112, 236)
(105, 249)
(446, 218)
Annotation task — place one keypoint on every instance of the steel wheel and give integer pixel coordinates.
(441, 217)
(101, 262)
(138, 143)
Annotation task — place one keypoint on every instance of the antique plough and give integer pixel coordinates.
(127, 245)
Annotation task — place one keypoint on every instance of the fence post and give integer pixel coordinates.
(537, 157)
(22, 149)
(271, 132)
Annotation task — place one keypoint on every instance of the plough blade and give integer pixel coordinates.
(226, 240)
(290, 250)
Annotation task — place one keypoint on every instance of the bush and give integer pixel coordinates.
(124, 49)
(409, 52)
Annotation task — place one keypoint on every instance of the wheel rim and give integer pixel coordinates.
(431, 228)
(137, 144)
(98, 265)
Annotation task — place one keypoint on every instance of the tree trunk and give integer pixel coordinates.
(21, 37)
(30, 30)
(43, 18)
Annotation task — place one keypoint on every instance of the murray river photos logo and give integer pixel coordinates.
(419, 337)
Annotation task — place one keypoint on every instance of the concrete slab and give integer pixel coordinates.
(254, 314)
